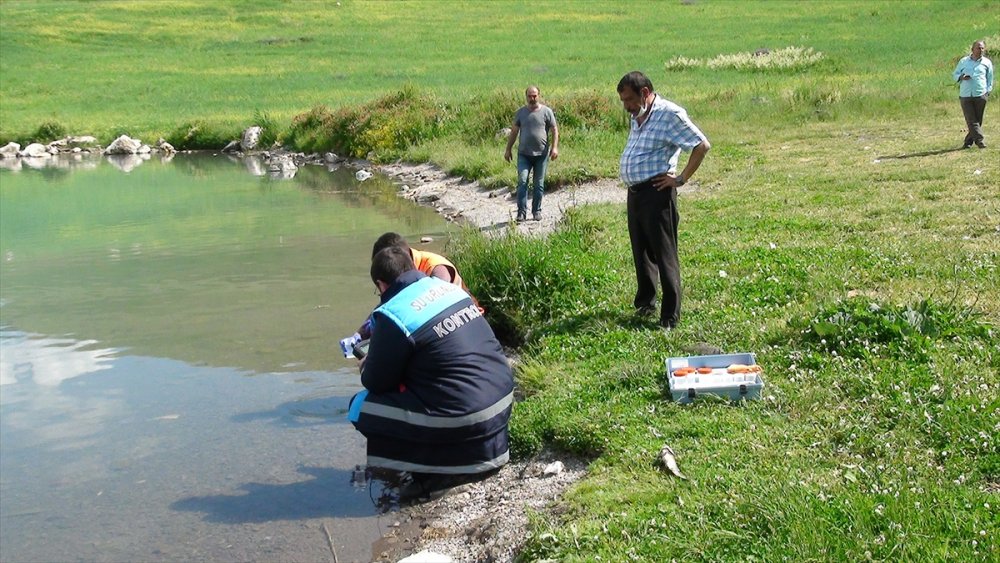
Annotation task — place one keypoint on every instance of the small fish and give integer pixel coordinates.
(670, 462)
(168, 417)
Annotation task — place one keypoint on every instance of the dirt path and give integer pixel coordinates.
(492, 211)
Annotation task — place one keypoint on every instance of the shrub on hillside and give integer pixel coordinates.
(480, 118)
(268, 128)
(526, 283)
(381, 130)
(49, 131)
(201, 136)
(590, 110)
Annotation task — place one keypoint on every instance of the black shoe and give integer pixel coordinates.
(522, 216)
(537, 216)
(427, 487)
(981, 144)
(645, 311)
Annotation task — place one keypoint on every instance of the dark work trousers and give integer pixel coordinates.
(652, 230)
(973, 108)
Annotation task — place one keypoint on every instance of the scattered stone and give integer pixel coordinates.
(10, 150)
(123, 145)
(488, 521)
(554, 468)
(35, 150)
(163, 146)
(232, 146)
(282, 167)
(250, 138)
(426, 239)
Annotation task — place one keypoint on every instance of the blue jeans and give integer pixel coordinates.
(536, 165)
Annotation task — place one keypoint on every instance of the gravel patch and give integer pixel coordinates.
(485, 521)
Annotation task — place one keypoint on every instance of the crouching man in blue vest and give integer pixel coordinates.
(438, 388)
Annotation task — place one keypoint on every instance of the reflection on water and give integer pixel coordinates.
(170, 382)
(48, 361)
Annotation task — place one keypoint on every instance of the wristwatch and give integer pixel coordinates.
(679, 179)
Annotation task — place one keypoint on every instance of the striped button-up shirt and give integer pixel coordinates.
(653, 148)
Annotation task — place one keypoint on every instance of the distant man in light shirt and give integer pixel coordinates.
(532, 123)
(660, 130)
(974, 75)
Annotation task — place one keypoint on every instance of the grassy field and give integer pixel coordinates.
(835, 232)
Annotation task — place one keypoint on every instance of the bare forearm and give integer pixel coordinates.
(694, 161)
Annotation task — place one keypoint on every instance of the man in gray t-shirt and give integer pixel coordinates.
(532, 123)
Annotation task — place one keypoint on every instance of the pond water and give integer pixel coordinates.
(171, 388)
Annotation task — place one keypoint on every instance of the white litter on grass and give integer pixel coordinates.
(876, 161)
(773, 246)
(977, 172)
(723, 274)
(554, 468)
(362, 175)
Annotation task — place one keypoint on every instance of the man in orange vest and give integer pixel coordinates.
(431, 264)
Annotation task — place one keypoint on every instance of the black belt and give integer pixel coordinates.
(641, 186)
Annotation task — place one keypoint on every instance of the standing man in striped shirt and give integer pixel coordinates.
(660, 129)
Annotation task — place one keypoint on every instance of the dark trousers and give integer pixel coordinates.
(973, 108)
(652, 230)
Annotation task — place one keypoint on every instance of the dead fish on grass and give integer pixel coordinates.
(669, 461)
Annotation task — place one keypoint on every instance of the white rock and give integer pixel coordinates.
(723, 274)
(143, 149)
(427, 557)
(426, 239)
(35, 150)
(82, 140)
(362, 175)
(10, 150)
(554, 468)
(123, 145)
(250, 138)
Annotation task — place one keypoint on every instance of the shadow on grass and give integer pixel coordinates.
(920, 154)
(598, 320)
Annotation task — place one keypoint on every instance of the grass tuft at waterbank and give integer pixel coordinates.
(835, 230)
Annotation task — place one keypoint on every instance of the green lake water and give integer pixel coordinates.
(171, 387)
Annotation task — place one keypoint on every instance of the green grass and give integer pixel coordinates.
(830, 200)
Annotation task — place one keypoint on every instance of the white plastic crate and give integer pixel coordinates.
(719, 382)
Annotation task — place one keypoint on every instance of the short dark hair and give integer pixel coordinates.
(635, 81)
(387, 240)
(390, 263)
